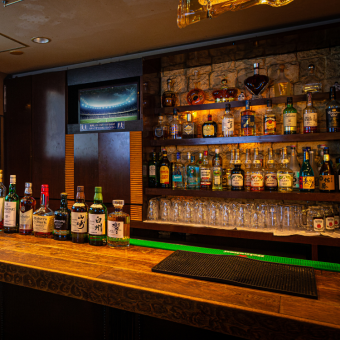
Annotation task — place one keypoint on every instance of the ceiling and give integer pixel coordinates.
(85, 30)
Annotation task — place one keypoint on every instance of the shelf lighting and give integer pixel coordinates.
(192, 11)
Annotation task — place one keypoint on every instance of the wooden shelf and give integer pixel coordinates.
(242, 103)
(308, 137)
(267, 195)
(252, 235)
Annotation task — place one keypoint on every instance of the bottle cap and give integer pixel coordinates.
(247, 104)
(118, 202)
(44, 188)
(256, 65)
(175, 111)
(28, 185)
(217, 150)
(63, 194)
(160, 117)
(311, 67)
(189, 154)
(205, 153)
(293, 146)
(189, 117)
(80, 188)
(200, 154)
(98, 190)
(290, 100)
(192, 157)
(178, 155)
(269, 103)
(168, 81)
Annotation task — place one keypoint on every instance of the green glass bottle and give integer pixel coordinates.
(306, 179)
(153, 171)
(11, 210)
(290, 118)
(97, 219)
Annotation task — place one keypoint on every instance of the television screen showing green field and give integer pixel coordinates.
(108, 104)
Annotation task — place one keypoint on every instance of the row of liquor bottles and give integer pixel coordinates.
(288, 176)
(180, 128)
(81, 224)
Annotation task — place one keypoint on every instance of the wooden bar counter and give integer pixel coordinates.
(123, 279)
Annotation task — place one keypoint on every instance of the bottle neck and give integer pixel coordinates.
(326, 157)
(118, 208)
(256, 70)
(12, 188)
(169, 86)
(80, 198)
(98, 197)
(63, 203)
(289, 104)
(209, 118)
(306, 156)
(44, 199)
(332, 95)
(309, 99)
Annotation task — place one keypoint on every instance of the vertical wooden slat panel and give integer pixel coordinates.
(136, 175)
(69, 168)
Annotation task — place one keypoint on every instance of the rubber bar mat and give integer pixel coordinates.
(243, 272)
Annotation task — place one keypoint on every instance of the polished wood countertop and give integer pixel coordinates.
(123, 279)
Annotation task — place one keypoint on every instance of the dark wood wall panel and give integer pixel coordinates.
(48, 132)
(17, 122)
(86, 163)
(114, 165)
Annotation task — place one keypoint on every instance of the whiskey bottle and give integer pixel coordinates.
(237, 174)
(118, 226)
(161, 130)
(2, 201)
(62, 221)
(175, 127)
(248, 121)
(284, 174)
(306, 179)
(290, 118)
(97, 219)
(270, 173)
(196, 96)
(205, 173)
(11, 208)
(257, 179)
(27, 206)
(209, 128)
(164, 172)
(193, 175)
(310, 116)
(228, 122)
(327, 176)
(177, 171)
(43, 218)
(269, 120)
(153, 171)
(229, 169)
(311, 82)
(189, 129)
(248, 170)
(333, 112)
(314, 167)
(294, 165)
(169, 97)
(217, 159)
(79, 218)
(282, 86)
(200, 159)
(257, 83)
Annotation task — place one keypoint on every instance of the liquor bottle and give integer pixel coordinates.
(79, 218)
(209, 128)
(189, 129)
(336, 216)
(327, 177)
(217, 159)
(177, 172)
(27, 206)
(169, 97)
(161, 130)
(257, 83)
(270, 173)
(185, 166)
(237, 174)
(310, 116)
(289, 118)
(229, 169)
(97, 219)
(2, 201)
(311, 82)
(144, 169)
(329, 219)
(205, 173)
(269, 120)
(257, 178)
(314, 167)
(153, 171)
(306, 179)
(217, 171)
(11, 208)
(200, 159)
(282, 85)
(284, 174)
(193, 175)
(332, 112)
(175, 127)
(62, 220)
(43, 218)
(248, 121)
(164, 172)
(225, 93)
(118, 226)
(196, 96)
(295, 167)
(320, 156)
(228, 122)
(247, 171)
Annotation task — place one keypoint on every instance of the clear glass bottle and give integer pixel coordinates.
(62, 220)
(257, 178)
(282, 85)
(290, 118)
(314, 167)
(177, 170)
(333, 112)
(189, 128)
(270, 173)
(27, 206)
(209, 128)
(228, 122)
(311, 82)
(43, 218)
(97, 220)
(79, 218)
(294, 165)
(193, 175)
(310, 116)
(217, 171)
(196, 96)
(257, 83)
(118, 226)
(237, 174)
(205, 173)
(175, 127)
(247, 171)
(169, 97)
(269, 120)
(3, 190)
(248, 121)
(161, 130)
(11, 208)
(284, 174)
(306, 179)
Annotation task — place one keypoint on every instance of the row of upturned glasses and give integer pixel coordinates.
(241, 214)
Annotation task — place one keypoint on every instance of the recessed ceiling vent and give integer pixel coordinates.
(8, 44)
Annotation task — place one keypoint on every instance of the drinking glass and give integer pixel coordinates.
(186, 211)
(315, 219)
(175, 210)
(202, 217)
(243, 215)
(288, 219)
(258, 215)
(272, 220)
(165, 209)
(153, 209)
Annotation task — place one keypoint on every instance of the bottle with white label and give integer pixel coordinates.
(79, 217)
(62, 220)
(257, 177)
(2, 201)
(118, 226)
(289, 118)
(27, 206)
(43, 218)
(270, 173)
(310, 116)
(11, 208)
(284, 174)
(228, 122)
(329, 218)
(97, 219)
(237, 174)
(295, 167)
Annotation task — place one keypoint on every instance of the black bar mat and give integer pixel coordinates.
(243, 272)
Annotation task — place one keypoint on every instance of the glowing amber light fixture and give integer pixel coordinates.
(192, 11)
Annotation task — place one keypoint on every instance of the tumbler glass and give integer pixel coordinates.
(272, 220)
(164, 209)
(175, 210)
(288, 219)
(153, 209)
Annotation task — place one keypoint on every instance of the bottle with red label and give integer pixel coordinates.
(317, 218)
(310, 116)
(329, 218)
(257, 179)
